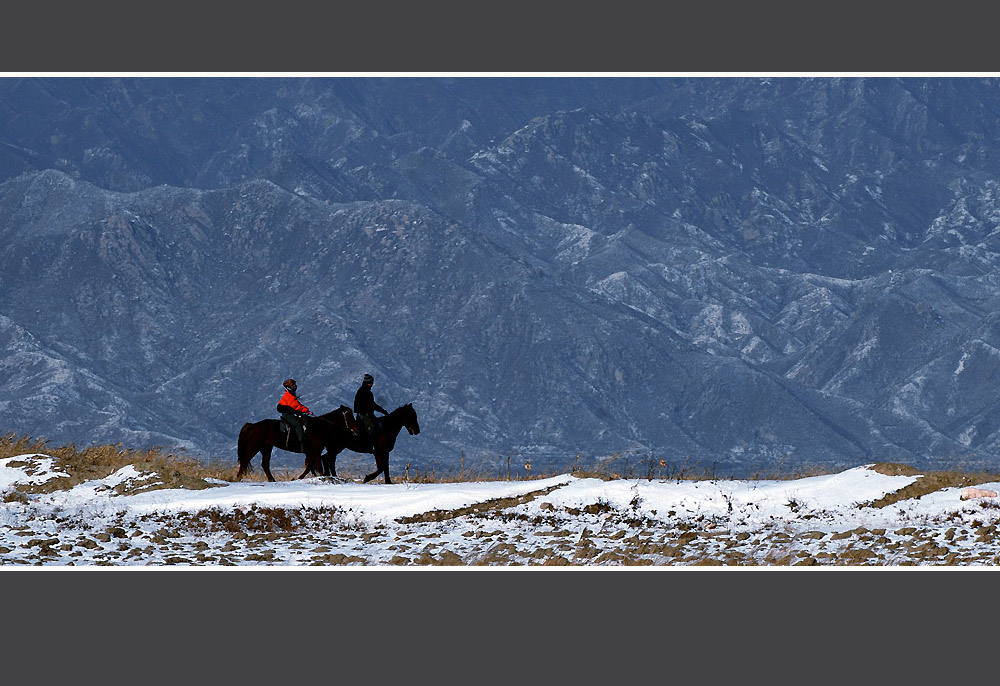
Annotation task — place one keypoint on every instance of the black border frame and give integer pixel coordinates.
(501, 623)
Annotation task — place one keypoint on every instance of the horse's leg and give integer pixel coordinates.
(316, 460)
(330, 462)
(384, 466)
(265, 461)
(381, 466)
(304, 471)
(312, 460)
(374, 474)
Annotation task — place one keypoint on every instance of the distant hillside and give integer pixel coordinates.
(735, 273)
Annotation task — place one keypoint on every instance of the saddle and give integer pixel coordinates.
(291, 438)
(366, 430)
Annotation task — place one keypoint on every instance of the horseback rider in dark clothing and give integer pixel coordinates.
(292, 410)
(365, 406)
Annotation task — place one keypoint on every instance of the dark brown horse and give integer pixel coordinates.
(384, 442)
(332, 428)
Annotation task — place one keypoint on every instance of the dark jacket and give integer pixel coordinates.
(364, 402)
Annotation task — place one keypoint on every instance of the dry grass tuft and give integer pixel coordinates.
(98, 462)
(928, 481)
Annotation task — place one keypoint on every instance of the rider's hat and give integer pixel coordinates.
(369, 378)
(289, 384)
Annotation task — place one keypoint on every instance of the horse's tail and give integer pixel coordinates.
(243, 450)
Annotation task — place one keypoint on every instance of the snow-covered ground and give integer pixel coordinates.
(822, 520)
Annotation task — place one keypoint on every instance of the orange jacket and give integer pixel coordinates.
(292, 402)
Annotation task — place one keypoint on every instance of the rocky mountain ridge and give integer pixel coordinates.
(740, 273)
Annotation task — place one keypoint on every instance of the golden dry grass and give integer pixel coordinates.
(928, 482)
(97, 462)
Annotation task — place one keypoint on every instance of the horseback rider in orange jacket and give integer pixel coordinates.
(292, 410)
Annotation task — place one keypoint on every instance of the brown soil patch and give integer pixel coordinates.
(478, 508)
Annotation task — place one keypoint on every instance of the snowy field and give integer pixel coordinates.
(124, 520)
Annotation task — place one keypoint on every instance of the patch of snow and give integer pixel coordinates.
(375, 524)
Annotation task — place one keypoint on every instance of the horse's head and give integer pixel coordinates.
(349, 421)
(410, 419)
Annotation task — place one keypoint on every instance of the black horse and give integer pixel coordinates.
(385, 441)
(332, 428)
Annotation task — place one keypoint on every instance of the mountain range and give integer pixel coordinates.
(737, 273)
